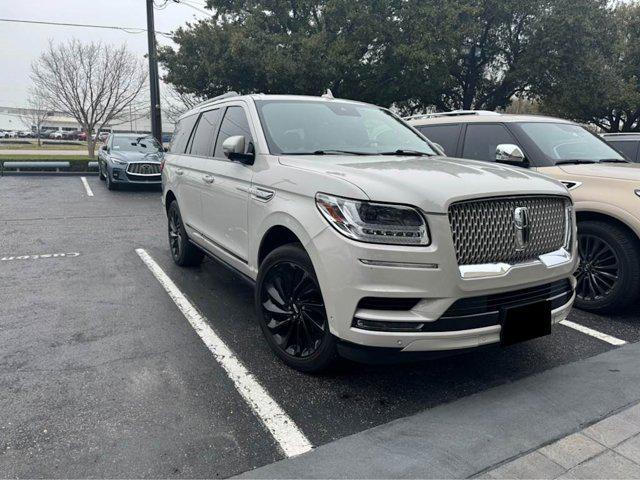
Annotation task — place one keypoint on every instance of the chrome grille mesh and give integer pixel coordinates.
(484, 231)
(144, 168)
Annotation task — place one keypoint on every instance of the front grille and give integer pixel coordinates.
(144, 168)
(484, 231)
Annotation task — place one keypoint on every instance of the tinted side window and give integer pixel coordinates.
(481, 140)
(629, 148)
(182, 133)
(445, 135)
(205, 134)
(234, 123)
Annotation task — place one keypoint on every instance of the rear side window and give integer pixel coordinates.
(629, 148)
(182, 133)
(445, 135)
(205, 134)
(234, 123)
(481, 140)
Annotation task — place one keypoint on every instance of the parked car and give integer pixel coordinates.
(130, 159)
(56, 135)
(360, 239)
(82, 136)
(9, 134)
(25, 134)
(70, 135)
(102, 136)
(605, 188)
(627, 144)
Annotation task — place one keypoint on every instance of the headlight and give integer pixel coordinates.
(374, 222)
(118, 161)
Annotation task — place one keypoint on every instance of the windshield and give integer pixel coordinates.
(142, 144)
(300, 127)
(562, 142)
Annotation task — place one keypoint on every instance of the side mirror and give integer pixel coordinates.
(103, 147)
(234, 148)
(511, 154)
(166, 149)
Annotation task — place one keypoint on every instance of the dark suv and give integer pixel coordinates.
(130, 159)
(626, 143)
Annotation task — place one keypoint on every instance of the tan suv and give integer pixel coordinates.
(604, 185)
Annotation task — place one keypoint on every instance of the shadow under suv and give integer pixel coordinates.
(360, 238)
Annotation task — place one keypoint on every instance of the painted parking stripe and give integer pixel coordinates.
(286, 433)
(594, 333)
(86, 186)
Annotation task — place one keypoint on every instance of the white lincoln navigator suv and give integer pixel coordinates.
(361, 238)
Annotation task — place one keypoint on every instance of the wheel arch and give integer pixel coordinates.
(168, 199)
(586, 215)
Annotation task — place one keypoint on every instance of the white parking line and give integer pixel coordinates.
(594, 333)
(86, 186)
(282, 428)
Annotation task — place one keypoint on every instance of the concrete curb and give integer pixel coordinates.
(471, 435)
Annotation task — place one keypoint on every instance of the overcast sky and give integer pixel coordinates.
(20, 44)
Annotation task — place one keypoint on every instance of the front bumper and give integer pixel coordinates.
(429, 275)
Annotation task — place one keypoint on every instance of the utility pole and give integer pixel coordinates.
(154, 82)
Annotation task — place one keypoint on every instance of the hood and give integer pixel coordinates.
(620, 171)
(431, 183)
(137, 156)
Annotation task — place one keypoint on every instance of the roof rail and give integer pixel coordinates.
(454, 113)
(219, 97)
(605, 134)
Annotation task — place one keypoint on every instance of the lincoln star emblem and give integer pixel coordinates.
(523, 229)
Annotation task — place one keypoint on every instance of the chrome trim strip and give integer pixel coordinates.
(490, 270)
(217, 245)
(391, 264)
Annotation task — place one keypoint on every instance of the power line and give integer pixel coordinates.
(184, 2)
(131, 30)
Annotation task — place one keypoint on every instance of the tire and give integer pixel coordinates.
(183, 252)
(109, 183)
(609, 272)
(291, 310)
(101, 175)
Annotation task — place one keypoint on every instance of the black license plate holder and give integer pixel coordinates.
(525, 322)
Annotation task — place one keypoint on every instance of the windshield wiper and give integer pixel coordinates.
(328, 152)
(613, 160)
(408, 153)
(575, 162)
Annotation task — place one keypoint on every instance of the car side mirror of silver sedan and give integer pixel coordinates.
(511, 154)
(234, 148)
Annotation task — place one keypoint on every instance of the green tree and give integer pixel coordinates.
(592, 64)
(377, 50)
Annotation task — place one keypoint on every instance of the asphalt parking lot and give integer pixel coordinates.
(101, 374)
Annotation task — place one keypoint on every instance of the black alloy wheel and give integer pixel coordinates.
(175, 233)
(292, 312)
(608, 277)
(598, 271)
(183, 252)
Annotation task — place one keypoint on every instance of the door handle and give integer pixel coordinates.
(179, 171)
(208, 178)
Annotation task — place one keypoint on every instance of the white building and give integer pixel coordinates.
(12, 118)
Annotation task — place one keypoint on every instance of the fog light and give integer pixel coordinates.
(116, 174)
(387, 326)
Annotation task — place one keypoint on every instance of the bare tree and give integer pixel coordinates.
(175, 103)
(93, 82)
(35, 114)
